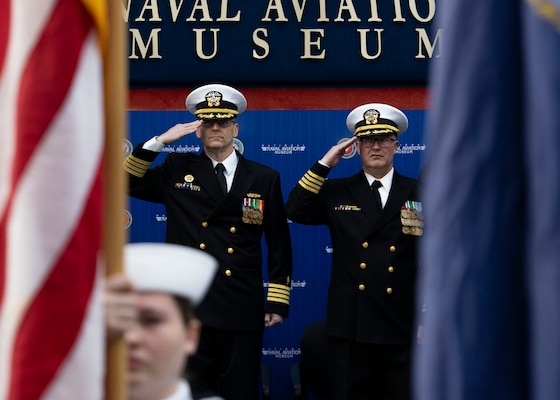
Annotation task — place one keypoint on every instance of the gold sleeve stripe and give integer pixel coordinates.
(135, 166)
(278, 293)
(314, 176)
(311, 182)
(279, 287)
(283, 296)
(133, 171)
(304, 183)
(274, 299)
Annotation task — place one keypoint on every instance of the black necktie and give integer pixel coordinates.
(220, 169)
(374, 187)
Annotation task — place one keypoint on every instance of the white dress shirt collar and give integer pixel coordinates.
(386, 182)
(230, 164)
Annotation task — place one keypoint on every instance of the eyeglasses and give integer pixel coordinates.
(222, 123)
(382, 142)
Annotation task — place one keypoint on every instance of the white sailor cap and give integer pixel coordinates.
(216, 101)
(170, 268)
(376, 119)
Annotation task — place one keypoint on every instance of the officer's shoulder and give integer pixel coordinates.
(183, 156)
(407, 180)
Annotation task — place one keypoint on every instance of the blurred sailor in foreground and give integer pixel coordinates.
(152, 306)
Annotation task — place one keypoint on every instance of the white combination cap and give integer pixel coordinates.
(170, 268)
(376, 119)
(216, 101)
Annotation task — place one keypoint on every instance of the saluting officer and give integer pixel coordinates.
(374, 218)
(222, 203)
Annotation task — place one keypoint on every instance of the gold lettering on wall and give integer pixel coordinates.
(364, 43)
(312, 40)
(199, 41)
(258, 39)
(138, 43)
(203, 21)
(424, 43)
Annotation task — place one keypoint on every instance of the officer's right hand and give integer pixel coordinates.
(178, 131)
(332, 156)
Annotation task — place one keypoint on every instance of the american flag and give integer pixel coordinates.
(52, 142)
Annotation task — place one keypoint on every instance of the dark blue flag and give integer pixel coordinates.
(491, 250)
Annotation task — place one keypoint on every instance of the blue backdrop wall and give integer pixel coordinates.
(303, 65)
(289, 141)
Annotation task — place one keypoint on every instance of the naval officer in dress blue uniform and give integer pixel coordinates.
(224, 204)
(374, 218)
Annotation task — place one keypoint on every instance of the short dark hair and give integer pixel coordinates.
(186, 309)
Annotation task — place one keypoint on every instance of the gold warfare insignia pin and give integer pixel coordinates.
(213, 98)
(189, 178)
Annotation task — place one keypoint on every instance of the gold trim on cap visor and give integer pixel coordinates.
(376, 129)
(213, 113)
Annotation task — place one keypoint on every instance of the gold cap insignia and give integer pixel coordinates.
(213, 98)
(371, 116)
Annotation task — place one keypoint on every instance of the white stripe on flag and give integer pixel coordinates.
(27, 20)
